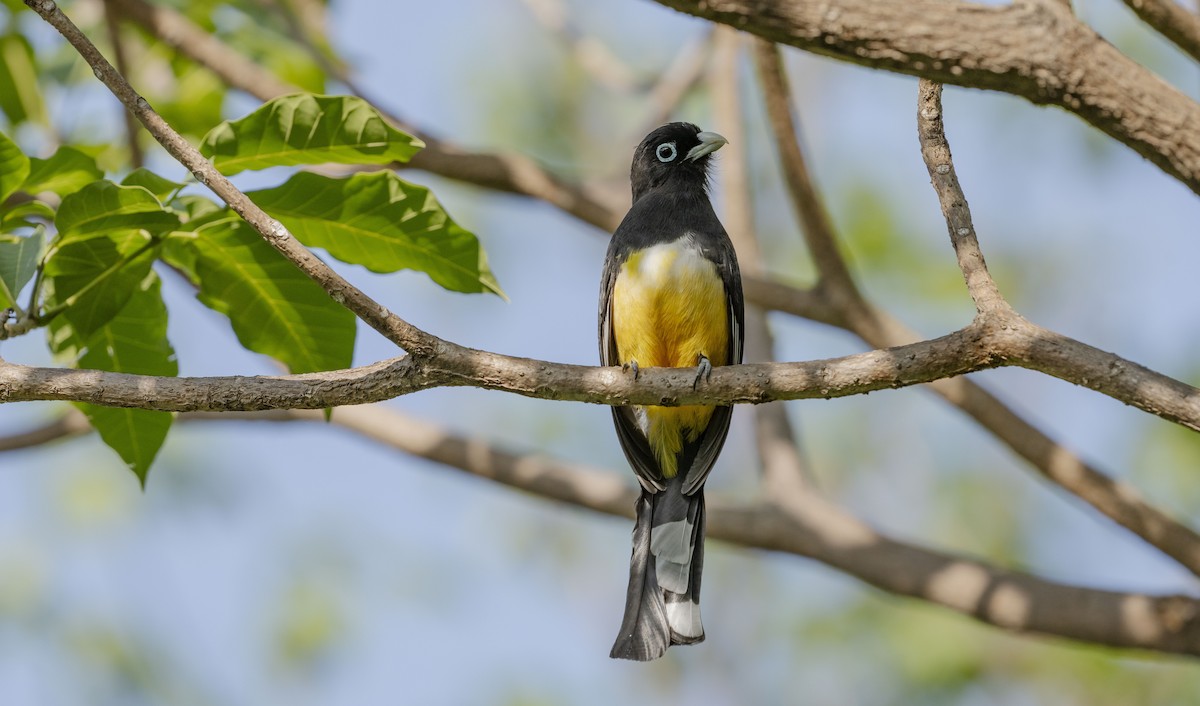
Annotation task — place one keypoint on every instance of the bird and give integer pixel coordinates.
(670, 296)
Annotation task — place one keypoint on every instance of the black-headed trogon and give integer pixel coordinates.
(671, 296)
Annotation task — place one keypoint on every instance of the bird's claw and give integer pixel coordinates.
(632, 365)
(703, 370)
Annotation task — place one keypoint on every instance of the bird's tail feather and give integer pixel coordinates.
(662, 606)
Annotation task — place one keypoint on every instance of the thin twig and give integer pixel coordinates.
(1048, 350)
(935, 150)
(834, 280)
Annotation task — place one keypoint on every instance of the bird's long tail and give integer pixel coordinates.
(662, 606)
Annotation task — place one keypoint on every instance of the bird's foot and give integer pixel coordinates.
(632, 365)
(703, 370)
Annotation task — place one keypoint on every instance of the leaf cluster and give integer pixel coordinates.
(81, 255)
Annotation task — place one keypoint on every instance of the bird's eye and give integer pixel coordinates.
(666, 152)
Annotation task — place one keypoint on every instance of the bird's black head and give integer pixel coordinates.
(677, 154)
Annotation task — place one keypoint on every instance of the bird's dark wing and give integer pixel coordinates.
(708, 446)
(629, 432)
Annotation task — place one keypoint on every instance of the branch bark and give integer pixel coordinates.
(989, 342)
(935, 150)
(1036, 49)
(1171, 20)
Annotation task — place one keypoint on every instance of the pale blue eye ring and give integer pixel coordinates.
(666, 152)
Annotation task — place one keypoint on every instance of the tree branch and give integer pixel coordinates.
(989, 342)
(763, 382)
(69, 425)
(1117, 501)
(1171, 20)
(593, 56)
(684, 72)
(784, 472)
(132, 133)
(935, 150)
(815, 528)
(1036, 49)
(811, 527)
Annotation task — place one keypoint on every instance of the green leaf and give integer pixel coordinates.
(100, 273)
(18, 262)
(134, 341)
(274, 308)
(383, 223)
(20, 216)
(307, 129)
(160, 186)
(103, 206)
(20, 98)
(196, 212)
(66, 171)
(14, 167)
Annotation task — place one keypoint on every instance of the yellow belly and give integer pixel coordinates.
(669, 308)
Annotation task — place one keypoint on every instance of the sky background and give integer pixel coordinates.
(273, 563)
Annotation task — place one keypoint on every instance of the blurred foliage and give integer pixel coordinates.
(1166, 461)
(308, 625)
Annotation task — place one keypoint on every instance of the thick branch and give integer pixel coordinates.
(1035, 49)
